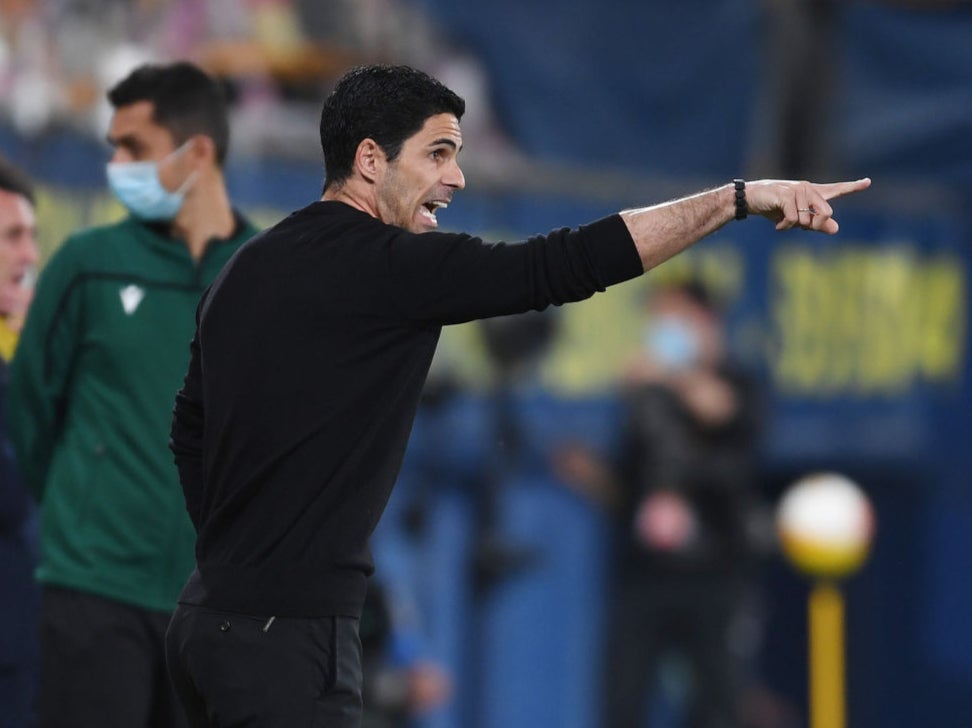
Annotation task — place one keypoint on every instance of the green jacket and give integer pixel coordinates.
(92, 385)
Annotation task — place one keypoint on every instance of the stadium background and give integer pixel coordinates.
(861, 340)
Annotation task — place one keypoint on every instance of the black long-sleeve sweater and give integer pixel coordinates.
(310, 353)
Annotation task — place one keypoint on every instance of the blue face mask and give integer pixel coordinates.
(138, 186)
(671, 343)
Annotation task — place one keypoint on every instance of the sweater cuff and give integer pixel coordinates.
(613, 250)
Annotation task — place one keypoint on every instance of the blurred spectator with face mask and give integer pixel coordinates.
(683, 492)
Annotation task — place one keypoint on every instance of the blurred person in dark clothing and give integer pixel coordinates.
(684, 495)
(19, 593)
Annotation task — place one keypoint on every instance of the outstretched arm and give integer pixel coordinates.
(662, 231)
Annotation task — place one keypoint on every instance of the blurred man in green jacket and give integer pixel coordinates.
(101, 356)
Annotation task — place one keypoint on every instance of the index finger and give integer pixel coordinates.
(835, 189)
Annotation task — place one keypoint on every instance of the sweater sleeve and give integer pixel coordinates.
(186, 437)
(40, 373)
(445, 279)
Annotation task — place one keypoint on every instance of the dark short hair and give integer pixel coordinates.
(13, 180)
(385, 103)
(695, 290)
(185, 100)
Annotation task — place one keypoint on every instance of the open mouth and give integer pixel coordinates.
(430, 208)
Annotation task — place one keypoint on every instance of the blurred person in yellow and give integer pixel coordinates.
(100, 356)
(18, 254)
(19, 595)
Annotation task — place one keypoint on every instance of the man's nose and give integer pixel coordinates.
(120, 156)
(454, 177)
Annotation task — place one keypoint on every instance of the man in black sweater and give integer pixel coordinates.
(309, 357)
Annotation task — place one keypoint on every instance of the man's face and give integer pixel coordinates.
(136, 138)
(423, 177)
(18, 251)
(675, 310)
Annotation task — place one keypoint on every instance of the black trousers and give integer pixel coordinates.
(233, 670)
(651, 616)
(103, 664)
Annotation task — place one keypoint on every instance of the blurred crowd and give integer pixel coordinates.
(277, 58)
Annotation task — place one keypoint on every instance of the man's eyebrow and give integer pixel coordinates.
(126, 139)
(447, 141)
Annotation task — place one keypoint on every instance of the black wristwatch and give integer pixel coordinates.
(742, 209)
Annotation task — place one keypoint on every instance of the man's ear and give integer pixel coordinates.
(202, 147)
(200, 151)
(370, 160)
